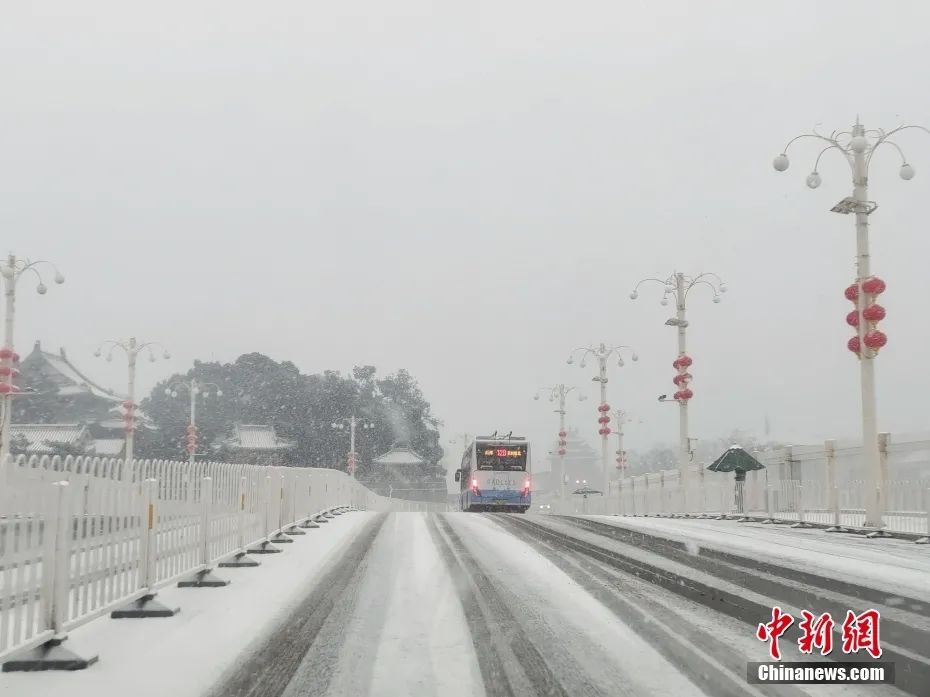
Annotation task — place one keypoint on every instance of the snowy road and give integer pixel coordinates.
(498, 605)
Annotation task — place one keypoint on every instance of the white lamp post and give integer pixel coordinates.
(131, 348)
(857, 146)
(11, 271)
(560, 392)
(678, 285)
(195, 389)
(353, 456)
(602, 353)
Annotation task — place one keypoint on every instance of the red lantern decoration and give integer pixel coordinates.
(874, 313)
(5, 370)
(875, 339)
(563, 442)
(677, 395)
(129, 428)
(561, 451)
(852, 319)
(852, 292)
(686, 394)
(191, 449)
(5, 388)
(15, 357)
(685, 361)
(129, 405)
(6, 353)
(873, 285)
(675, 364)
(853, 344)
(191, 428)
(562, 434)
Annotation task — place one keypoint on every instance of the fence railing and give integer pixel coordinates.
(906, 509)
(83, 537)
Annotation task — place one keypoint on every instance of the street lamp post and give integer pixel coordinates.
(11, 271)
(195, 388)
(678, 285)
(132, 349)
(602, 353)
(858, 145)
(560, 392)
(353, 422)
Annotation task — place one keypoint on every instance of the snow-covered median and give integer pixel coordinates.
(182, 656)
(895, 566)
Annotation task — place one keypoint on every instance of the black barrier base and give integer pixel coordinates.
(309, 524)
(239, 560)
(146, 606)
(203, 579)
(49, 656)
(264, 548)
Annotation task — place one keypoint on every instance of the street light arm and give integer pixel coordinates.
(702, 283)
(666, 283)
(831, 140)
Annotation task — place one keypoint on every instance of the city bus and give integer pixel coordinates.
(495, 475)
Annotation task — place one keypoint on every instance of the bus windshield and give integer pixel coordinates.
(496, 457)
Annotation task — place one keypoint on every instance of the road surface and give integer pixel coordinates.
(506, 605)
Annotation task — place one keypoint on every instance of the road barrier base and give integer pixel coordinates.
(320, 519)
(293, 530)
(264, 548)
(49, 656)
(281, 538)
(239, 560)
(146, 606)
(203, 579)
(309, 524)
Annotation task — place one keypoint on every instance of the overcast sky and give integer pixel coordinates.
(469, 190)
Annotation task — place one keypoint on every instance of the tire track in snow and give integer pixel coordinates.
(509, 663)
(270, 667)
(704, 659)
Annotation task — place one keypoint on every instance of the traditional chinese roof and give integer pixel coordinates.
(257, 437)
(69, 379)
(43, 438)
(399, 455)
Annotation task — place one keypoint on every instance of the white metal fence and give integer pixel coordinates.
(806, 484)
(80, 537)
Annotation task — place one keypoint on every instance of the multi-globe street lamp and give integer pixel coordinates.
(857, 146)
(11, 271)
(678, 286)
(132, 349)
(195, 389)
(602, 353)
(352, 423)
(560, 392)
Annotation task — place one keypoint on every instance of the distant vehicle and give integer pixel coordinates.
(495, 475)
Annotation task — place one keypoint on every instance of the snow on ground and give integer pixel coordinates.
(895, 566)
(583, 629)
(401, 633)
(183, 655)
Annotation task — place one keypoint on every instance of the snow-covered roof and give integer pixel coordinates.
(399, 455)
(258, 437)
(42, 437)
(79, 383)
(109, 447)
